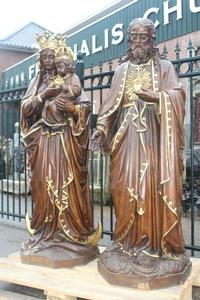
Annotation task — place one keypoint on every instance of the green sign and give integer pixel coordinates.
(105, 39)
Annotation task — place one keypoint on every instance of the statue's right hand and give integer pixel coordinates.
(97, 140)
(50, 92)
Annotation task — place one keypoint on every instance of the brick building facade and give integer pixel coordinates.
(19, 45)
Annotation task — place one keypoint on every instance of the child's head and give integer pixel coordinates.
(65, 66)
(64, 60)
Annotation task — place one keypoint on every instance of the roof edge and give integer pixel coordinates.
(22, 28)
(99, 15)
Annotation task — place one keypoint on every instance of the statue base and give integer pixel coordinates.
(142, 271)
(66, 255)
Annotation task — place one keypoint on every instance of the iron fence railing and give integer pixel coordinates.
(15, 195)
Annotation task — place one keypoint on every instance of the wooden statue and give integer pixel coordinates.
(55, 116)
(141, 125)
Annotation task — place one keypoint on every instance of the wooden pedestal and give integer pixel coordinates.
(85, 282)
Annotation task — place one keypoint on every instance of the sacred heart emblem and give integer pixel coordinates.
(138, 77)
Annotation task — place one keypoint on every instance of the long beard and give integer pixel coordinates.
(140, 54)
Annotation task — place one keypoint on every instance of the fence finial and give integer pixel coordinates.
(190, 48)
(177, 50)
(165, 51)
(80, 67)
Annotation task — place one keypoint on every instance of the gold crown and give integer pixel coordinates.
(45, 41)
(62, 51)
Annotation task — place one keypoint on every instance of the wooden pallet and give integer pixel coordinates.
(7, 295)
(196, 281)
(85, 282)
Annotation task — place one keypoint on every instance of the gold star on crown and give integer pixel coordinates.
(45, 41)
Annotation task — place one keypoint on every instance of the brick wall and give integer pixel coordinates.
(183, 44)
(10, 57)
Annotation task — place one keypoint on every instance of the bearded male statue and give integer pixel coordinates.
(141, 125)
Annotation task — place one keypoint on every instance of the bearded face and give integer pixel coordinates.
(139, 52)
(140, 43)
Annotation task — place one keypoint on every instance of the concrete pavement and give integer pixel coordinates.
(13, 233)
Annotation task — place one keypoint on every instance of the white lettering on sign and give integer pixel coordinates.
(22, 76)
(95, 48)
(12, 81)
(36, 68)
(31, 71)
(168, 10)
(151, 11)
(85, 48)
(193, 6)
(75, 51)
(17, 79)
(106, 40)
(117, 34)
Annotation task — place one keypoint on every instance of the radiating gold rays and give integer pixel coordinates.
(138, 78)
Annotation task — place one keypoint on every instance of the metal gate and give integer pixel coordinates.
(15, 196)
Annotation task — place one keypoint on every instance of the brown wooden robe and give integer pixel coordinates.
(146, 162)
(56, 144)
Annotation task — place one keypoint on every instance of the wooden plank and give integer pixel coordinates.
(7, 295)
(51, 296)
(68, 284)
(195, 265)
(33, 273)
(85, 282)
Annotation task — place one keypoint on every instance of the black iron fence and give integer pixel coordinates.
(15, 195)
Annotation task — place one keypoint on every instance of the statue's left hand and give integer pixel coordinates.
(65, 105)
(148, 95)
(97, 140)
